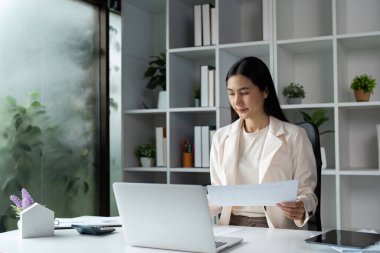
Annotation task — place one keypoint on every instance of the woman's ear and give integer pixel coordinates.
(266, 93)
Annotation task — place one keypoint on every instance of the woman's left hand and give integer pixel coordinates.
(293, 210)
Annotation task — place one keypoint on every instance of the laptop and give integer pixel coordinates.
(345, 239)
(163, 216)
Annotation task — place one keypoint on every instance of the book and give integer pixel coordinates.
(206, 24)
(159, 146)
(265, 15)
(165, 148)
(214, 25)
(204, 85)
(211, 87)
(197, 146)
(378, 143)
(198, 25)
(212, 132)
(205, 146)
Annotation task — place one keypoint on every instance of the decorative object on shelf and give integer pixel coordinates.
(294, 93)
(157, 74)
(197, 95)
(187, 154)
(363, 85)
(146, 153)
(318, 117)
(35, 219)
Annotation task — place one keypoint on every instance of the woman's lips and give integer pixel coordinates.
(241, 110)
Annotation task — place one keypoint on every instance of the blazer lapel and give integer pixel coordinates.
(271, 145)
(231, 149)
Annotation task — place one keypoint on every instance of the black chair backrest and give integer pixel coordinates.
(313, 134)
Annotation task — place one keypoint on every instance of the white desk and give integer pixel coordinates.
(64, 241)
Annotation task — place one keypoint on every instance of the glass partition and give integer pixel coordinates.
(49, 105)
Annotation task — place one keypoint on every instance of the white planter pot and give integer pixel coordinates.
(146, 161)
(293, 101)
(162, 100)
(197, 102)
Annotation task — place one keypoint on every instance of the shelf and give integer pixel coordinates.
(360, 172)
(347, 20)
(329, 172)
(304, 106)
(145, 111)
(309, 64)
(144, 169)
(356, 56)
(193, 109)
(244, 22)
(359, 105)
(301, 45)
(303, 19)
(190, 170)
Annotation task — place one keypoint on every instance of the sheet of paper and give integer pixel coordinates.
(253, 195)
(87, 220)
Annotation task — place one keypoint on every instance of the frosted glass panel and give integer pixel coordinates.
(49, 83)
(115, 103)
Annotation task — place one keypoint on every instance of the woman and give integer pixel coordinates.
(261, 147)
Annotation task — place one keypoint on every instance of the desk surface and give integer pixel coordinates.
(255, 240)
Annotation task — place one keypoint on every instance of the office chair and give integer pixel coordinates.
(313, 134)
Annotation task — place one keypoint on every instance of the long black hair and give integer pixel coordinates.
(258, 73)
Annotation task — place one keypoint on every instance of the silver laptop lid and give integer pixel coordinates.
(165, 216)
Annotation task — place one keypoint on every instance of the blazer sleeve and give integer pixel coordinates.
(306, 172)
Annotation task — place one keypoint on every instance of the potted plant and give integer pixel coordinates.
(294, 93)
(157, 74)
(197, 95)
(318, 117)
(146, 153)
(363, 85)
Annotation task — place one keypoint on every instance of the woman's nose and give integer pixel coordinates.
(238, 100)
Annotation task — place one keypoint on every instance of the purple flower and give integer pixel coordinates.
(27, 200)
(16, 200)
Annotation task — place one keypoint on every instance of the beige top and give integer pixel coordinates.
(250, 149)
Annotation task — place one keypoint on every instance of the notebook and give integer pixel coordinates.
(173, 217)
(345, 239)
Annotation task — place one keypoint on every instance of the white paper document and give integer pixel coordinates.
(253, 195)
(87, 220)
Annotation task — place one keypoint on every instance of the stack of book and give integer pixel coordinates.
(207, 86)
(205, 25)
(202, 143)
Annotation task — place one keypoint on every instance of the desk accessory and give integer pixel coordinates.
(93, 230)
(345, 239)
(36, 221)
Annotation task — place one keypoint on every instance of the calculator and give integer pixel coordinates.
(93, 230)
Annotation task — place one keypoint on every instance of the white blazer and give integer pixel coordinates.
(287, 154)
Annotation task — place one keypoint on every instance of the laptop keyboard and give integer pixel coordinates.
(218, 244)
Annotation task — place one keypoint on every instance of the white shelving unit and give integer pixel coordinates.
(321, 44)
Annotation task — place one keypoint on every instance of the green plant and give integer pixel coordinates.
(157, 72)
(34, 148)
(145, 150)
(318, 117)
(197, 92)
(363, 82)
(294, 90)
